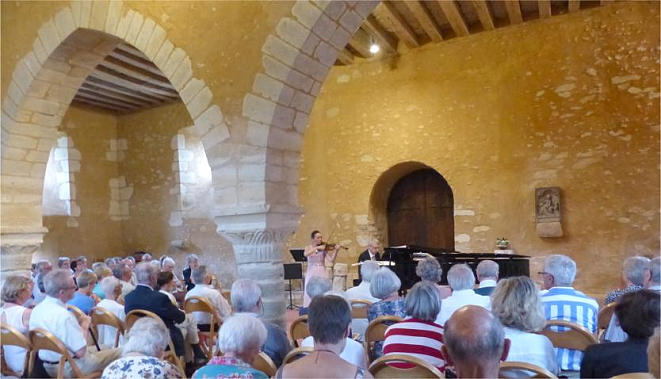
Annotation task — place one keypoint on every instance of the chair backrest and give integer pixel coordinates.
(264, 363)
(299, 329)
(297, 353)
(634, 375)
(77, 312)
(359, 308)
(43, 340)
(380, 368)
(201, 304)
(514, 369)
(10, 336)
(605, 315)
(376, 331)
(568, 335)
(102, 316)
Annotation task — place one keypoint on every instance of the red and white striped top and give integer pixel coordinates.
(418, 338)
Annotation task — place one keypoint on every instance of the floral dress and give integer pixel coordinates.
(228, 367)
(384, 308)
(141, 367)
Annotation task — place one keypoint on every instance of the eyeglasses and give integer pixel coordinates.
(544, 273)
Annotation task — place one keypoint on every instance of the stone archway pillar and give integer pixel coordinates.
(17, 245)
(258, 238)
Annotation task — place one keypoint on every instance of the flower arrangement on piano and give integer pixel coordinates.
(502, 243)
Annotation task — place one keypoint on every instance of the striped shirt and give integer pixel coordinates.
(418, 338)
(568, 304)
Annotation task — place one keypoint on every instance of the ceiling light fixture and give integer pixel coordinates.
(374, 48)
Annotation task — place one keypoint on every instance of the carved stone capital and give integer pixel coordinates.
(17, 247)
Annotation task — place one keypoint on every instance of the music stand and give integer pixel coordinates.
(294, 271)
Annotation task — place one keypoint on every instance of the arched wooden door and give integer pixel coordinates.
(421, 211)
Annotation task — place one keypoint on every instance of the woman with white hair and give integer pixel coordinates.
(429, 270)
(239, 338)
(16, 291)
(516, 303)
(143, 352)
(385, 286)
(192, 262)
(111, 288)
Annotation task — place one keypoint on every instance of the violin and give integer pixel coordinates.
(333, 246)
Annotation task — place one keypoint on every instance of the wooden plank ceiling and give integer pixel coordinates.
(125, 81)
(415, 23)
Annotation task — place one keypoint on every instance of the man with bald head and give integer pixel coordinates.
(474, 343)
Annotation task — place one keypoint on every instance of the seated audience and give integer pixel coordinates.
(429, 270)
(146, 257)
(52, 315)
(239, 339)
(247, 299)
(42, 268)
(111, 288)
(487, 275)
(165, 284)
(101, 272)
(83, 298)
(123, 272)
(635, 275)
(192, 262)
(418, 335)
(461, 280)
(64, 263)
(142, 354)
(111, 263)
(474, 343)
(78, 266)
(655, 275)
(638, 314)
(16, 291)
(653, 354)
(362, 292)
(145, 297)
(130, 262)
(385, 286)
(167, 264)
(316, 286)
(202, 279)
(563, 302)
(328, 320)
(518, 307)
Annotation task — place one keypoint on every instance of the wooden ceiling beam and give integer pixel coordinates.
(374, 28)
(136, 61)
(160, 95)
(402, 28)
(97, 104)
(482, 10)
(544, 8)
(104, 95)
(123, 90)
(99, 98)
(140, 77)
(574, 5)
(513, 9)
(453, 14)
(131, 65)
(360, 41)
(141, 101)
(425, 19)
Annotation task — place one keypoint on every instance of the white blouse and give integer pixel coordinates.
(531, 348)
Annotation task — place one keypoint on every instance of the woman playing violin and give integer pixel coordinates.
(317, 252)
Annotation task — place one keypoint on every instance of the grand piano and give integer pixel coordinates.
(405, 260)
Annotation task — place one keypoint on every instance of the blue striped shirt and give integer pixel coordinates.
(568, 304)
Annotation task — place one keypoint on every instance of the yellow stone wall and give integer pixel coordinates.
(571, 101)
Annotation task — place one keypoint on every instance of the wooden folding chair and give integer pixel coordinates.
(604, 318)
(12, 337)
(298, 330)
(359, 308)
(264, 363)
(297, 353)
(381, 368)
(568, 335)
(43, 340)
(136, 314)
(200, 304)
(376, 331)
(634, 375)
(102, 316)
(80, 315)
(515, 368)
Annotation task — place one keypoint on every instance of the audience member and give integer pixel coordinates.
(165, 285)
(247, 299)
(362, 292)
(42, 268)
(79, 265)
(130, 262)
(430, 270)
(635, 274)
(146, 257)
(461, 280)
(111, 288)
(653, 354)
(16, 291)
(239, 339)
(202, 279)
(487, 275)
(353, 351)
(145, 297)
(83, 298)
(655, 275)
(329, 320)
(474, 343)
(52, 315)
(563, 302)
(142, 354)
(385, 286)
(168, 264)
(316, 286)
(123, 272)
(64, 263)
(192, 262)
(111, 263)
(101, 272)
(418, 335)
(638, 314)
(517, 305)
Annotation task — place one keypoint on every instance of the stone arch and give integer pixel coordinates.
(45, 80)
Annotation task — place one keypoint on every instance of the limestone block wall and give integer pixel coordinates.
(571, 101)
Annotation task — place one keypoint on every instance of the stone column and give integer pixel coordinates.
(16, 248)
